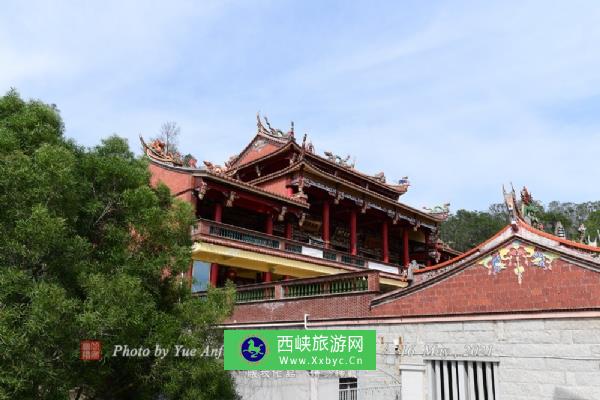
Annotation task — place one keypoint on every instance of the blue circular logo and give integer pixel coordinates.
(253, 349)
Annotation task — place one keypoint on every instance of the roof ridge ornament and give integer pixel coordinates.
(380, 176)
(531, 209)
(440, 211)
(271, 132)
(402, 184)
(510, 201)
(156, 150)
(343, 162)
(214, 168)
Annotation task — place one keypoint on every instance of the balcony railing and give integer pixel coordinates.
(230, 232)
(354, 282)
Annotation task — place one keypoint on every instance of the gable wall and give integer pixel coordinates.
(254, 153)
(475, 290)
(176, 181)
(277, 185)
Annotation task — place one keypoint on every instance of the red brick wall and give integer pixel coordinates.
(176, 181)
(472, 290)
(276, 186)
(294, 309)
(254, 154)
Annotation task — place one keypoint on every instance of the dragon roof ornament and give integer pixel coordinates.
(527, 210)
(530, 209)
(343, 162)
(271, 132)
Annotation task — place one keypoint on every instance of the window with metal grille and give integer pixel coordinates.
(348, 389)
(462, 380)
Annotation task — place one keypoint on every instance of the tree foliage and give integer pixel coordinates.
(85, 244)
(466, 229)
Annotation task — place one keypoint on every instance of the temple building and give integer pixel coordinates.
(279, 211)
(312, 243)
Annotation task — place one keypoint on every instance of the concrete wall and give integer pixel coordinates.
(537, 359)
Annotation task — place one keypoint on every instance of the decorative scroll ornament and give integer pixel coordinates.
(343, 162)
(517, 257)
(441, 212)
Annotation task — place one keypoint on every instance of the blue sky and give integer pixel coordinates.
(460, 96)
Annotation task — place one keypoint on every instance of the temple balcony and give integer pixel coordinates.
(344, 295)
(341, 284)
(232, 246)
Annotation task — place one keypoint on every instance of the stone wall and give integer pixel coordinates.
(537, 359)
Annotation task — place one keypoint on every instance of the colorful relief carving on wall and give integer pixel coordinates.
(518, 256)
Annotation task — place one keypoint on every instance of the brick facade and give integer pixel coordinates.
(178, 182)
(318, 307)
(277, 185)
(474, 290)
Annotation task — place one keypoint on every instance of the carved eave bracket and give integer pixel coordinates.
(281, 215)
(201, 190)
(231, 198)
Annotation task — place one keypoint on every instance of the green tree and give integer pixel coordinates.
(466, 229)
(592, 225)
(88, 250)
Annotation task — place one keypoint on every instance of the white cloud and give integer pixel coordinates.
(460, 97)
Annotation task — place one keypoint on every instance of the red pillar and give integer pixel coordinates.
(269, 224)
(353, 249)
(269, 231)
(427, 244)
(405, 253)
(268, 276)
(214, 267)
(289, 230)
(218, 212)
(385, 249)
(326, 224)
